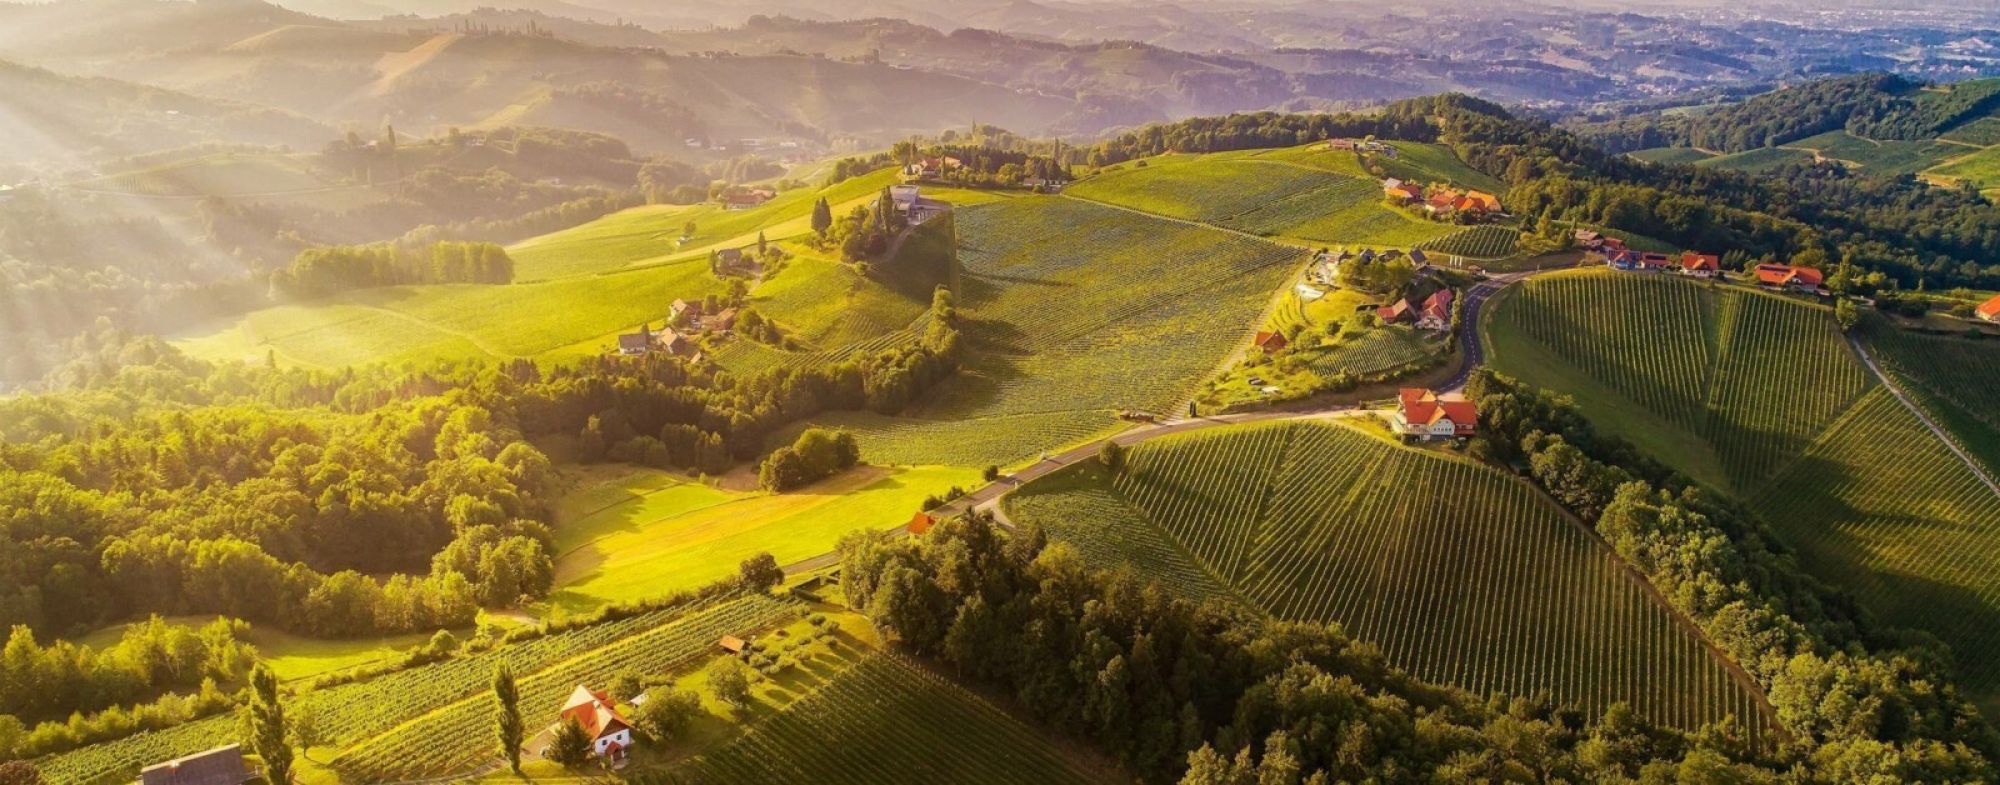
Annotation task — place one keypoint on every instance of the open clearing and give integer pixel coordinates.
(1462, 574)
(649, 534)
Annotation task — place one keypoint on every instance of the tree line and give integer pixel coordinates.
(317, 272)
(1202, 695)
(1859, 703)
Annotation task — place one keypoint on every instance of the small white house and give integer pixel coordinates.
(610, 733)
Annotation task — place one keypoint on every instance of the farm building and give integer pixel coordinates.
(610, 733)
(1402, 191)
(1442, 201)
(1989, 310)
(732, 644)
(638, 343)
(1400, 311)
(723, 321)
(1588, 239)
(1424, 414)
(1483, 201)
(683, 309)
(904, 197)
(219, 766)
(1271, 342)
(1785, 276)
(673, 342)
(1340, 144)
(1436, 314)
(744, 200)
(1653, 261)
(1621, 259)
(1700, 265)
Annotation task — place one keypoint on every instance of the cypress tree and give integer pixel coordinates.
(507, 719)
(267, 734)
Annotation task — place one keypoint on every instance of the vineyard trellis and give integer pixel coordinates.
(1484, 243)
(1460, 573)
(884, 720)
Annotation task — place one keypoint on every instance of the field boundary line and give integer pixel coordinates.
(1923, 417)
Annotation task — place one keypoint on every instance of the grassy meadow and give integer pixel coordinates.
(1460, 573)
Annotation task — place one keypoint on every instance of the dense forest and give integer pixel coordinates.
(1873, 106)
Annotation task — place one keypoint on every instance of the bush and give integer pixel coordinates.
(817, 454)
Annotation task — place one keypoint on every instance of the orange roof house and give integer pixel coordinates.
(1700, 264)
(1442, 200)
(1785, 275)
(610, 733)
(1397, 189)
(1989, 310)
(1484, 200)
(732, 644)
(1400, 311)
(1424, 414)
(1271, 342)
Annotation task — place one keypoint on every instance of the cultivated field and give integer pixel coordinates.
(366, 720)
(1879, 157)
(1478, 242)
(1956, 380)
(1881, 509)
(884, 720)
(1670, 155)
(1762, 159)
(1741, 380)
(1461, 574)
(1376, 350)
(1073, 311)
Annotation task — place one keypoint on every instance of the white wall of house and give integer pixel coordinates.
(623, 738)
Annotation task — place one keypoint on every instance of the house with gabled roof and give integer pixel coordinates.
(1653, 261)
(684, 310)
(1402, 191)
(1271, 342)
(1399, 311)
(1700, 265)
(1989, 310)
(1588, 239)
(610, 733)
(1424, 414)
(1483, 201)
(1621, 259)
(1785, 276)
(1436, 311)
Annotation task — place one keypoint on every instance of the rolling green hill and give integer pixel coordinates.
(1074, 311)
(1728, 384)
(1761, 396)
(1462, 574)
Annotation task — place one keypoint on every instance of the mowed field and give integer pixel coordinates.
(1073, 311)
(1761, 396)
(647, 533)
(1306, 194)
(1726, 383)
(1462, 574)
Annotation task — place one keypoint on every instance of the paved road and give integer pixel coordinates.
(987, 497)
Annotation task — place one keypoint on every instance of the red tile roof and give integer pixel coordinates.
(1787, 275)
(1989, 310)
(1394, 313)
(1271, 341)
(1438, 305)
(920, 523)
(1421, 406)
(594, 710)
(1699, 261)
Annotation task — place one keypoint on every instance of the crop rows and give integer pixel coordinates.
(1279, 216)
(350, 712)
(885, 721)
(1107, 530)
(1211, 191)
(1376, 350)
(448, 736)
(1782, 374)
(1478, 242)
(1461, 574)
(1964, 373)
(1881, 508)
(1755, 375)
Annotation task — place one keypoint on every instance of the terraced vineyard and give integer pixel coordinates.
(1073, 311)
(450, 736)
(1956, 381)
(882, 720)
(1478, 242)
(1376, 350)
(1750, 378)
(1078, 506)
(1462, 574)
(1882, 509)
(1282, 194)
(352, 713)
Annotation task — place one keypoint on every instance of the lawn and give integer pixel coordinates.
(290, 656)
(649, 534)
(1979, 167)
(1460, 573)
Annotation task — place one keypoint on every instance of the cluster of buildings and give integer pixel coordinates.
(1363, 145)
(671, 340)
(1434, 313)
(1442, 200)
(931, 168)
(1327, 270)
(1695, 264)
(747, 198)
(1425, 414)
